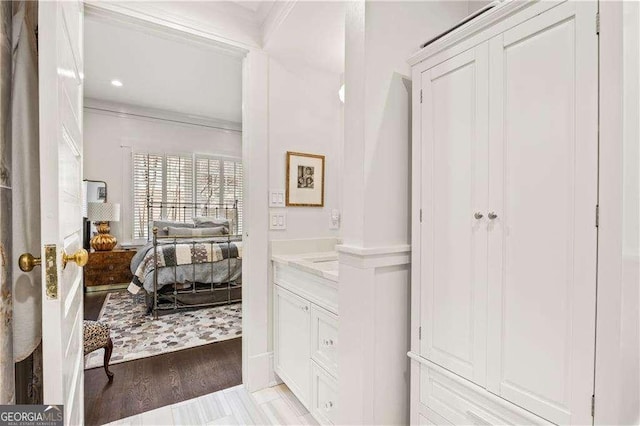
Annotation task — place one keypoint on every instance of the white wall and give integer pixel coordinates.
(111, 138)
(475, 5)
(305, 116)
(379, 84)
(374, 260)
(617, 384)
(630, 312)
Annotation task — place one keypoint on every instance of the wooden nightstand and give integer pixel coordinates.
(107, 270)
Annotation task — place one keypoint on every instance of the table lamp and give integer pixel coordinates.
(102, 214)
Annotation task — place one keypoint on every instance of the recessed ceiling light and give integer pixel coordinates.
(116, 83)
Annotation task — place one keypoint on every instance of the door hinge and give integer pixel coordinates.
(598, 23)
(420, 95)
(593, 405)
(419, 333)
(597, 215)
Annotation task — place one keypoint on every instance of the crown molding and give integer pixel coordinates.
(145, 113)
(159, 22)
(274, 19)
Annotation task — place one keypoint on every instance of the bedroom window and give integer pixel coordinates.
(179, 179)
(219, 181)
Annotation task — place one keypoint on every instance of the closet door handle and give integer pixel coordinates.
(492, 215)
(478, 215)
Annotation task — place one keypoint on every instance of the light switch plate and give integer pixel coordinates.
(335, 219)
(276, 198)
(277, 220)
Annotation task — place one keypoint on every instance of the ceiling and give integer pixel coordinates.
(313, 32)
(161, 71)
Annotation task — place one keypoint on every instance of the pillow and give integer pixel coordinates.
(209, 221)
(198, 232)
(163, 226)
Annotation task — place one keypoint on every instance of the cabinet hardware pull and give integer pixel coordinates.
(492, 215)
(328, 405)
(478, 215)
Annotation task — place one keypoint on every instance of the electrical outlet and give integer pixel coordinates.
(276, 198)
(277, 220)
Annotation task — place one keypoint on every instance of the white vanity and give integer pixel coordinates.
(305, 322)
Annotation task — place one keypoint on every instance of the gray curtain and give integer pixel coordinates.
(7, 382)
(27, 309)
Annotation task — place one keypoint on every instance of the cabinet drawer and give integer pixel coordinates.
(461, 402)
(108, 268)
(324, 339)
(324, 395)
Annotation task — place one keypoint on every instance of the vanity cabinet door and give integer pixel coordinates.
(453, 233)
(292, 342)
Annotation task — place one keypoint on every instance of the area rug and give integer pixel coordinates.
(136, 335)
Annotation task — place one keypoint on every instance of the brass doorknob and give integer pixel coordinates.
(27, 262)
(81, 257)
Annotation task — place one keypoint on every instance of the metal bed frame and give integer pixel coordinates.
(225, 286)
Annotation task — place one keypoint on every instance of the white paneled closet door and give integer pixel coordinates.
(543, 190)
(453, 231)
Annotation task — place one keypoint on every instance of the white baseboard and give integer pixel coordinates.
(260, 374)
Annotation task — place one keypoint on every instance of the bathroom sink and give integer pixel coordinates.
(328, 257)
(323, 264)
(326, 265)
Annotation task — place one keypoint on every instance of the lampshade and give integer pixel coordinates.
(103, 212)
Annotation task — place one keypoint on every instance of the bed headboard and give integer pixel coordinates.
(186, 213)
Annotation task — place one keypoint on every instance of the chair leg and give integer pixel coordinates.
(107, 357)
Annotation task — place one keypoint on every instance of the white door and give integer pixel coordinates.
(60, 74)
(454, 230)
(543, 191)
(292, 342)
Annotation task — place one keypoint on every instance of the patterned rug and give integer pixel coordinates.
(136, 335)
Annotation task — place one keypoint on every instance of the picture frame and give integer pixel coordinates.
(305, 180)
(102, 193)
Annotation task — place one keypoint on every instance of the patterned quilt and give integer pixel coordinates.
(170, 255)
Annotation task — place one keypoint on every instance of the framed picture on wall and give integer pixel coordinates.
(102, 193)
(305, 180)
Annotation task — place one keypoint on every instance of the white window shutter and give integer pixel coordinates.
(147, 179)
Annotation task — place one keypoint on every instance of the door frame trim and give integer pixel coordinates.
(257, 365)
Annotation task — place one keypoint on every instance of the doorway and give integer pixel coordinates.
(163, 130)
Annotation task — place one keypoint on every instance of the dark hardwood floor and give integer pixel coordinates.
(149, 383)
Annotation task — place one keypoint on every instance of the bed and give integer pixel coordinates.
(190, 263)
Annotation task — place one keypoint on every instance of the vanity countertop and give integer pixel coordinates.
(323, 264)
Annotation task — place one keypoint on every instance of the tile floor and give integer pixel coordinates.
(233, 406)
